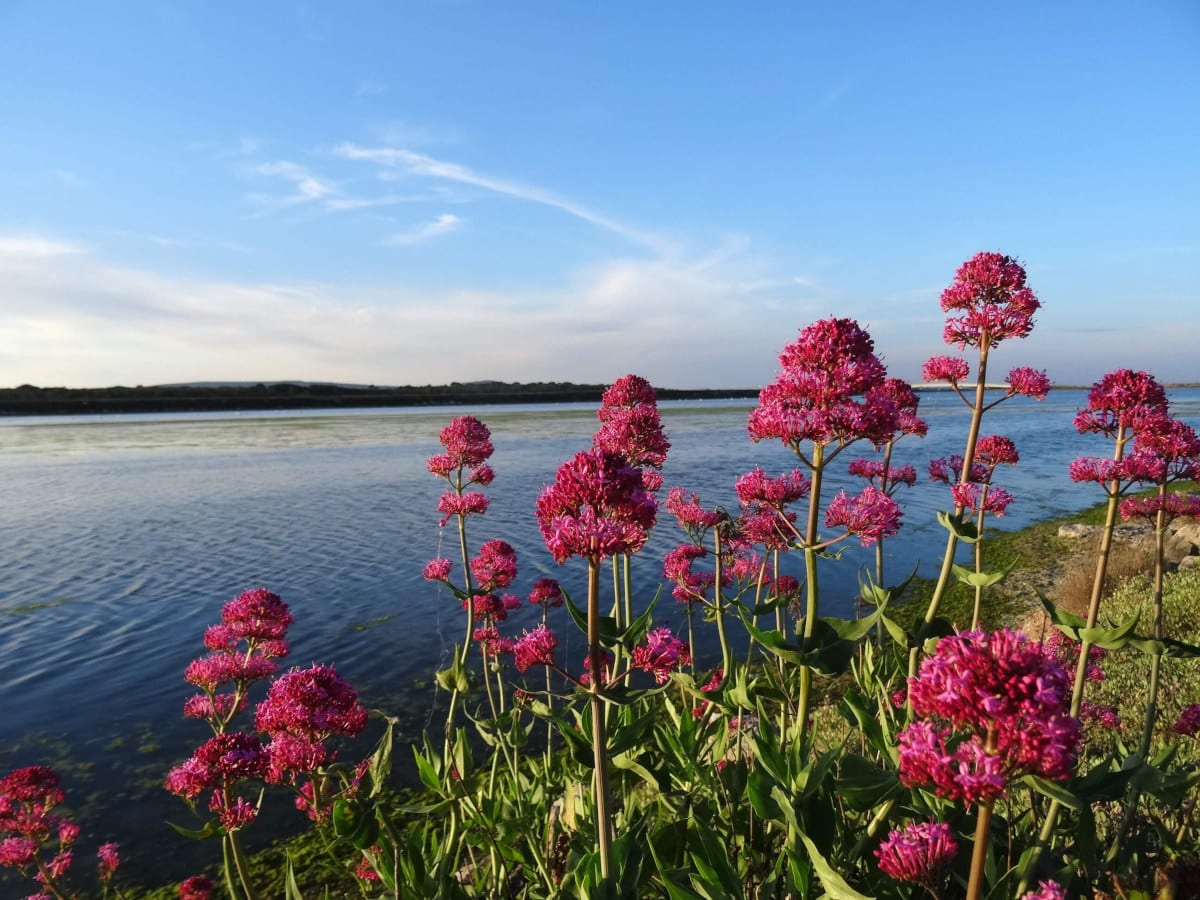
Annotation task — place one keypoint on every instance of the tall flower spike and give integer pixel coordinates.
(991, 302)
(630, 423)
(597, 507)
(814, 398)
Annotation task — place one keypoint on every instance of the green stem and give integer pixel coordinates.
(979, 559)
(943, 582)
(811, 595)
(983, 827)
(604, 834)
(726, 653)
(1046, 835)
(1160, 535)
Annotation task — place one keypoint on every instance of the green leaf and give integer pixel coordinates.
(381, 760)
(211, 829)
(609, 635)
(291, 890)
(835, 886)
(1054, 790)
(961, 529)
(982, 579)
(864, 785)
(1111, 638)
(426, 772)
(1068, 623)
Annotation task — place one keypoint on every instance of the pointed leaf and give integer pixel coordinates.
(835, 886)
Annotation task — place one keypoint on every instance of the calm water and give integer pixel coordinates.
(121, 536)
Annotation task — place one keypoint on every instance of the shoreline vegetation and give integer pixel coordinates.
(1041, 559)
(28, 400)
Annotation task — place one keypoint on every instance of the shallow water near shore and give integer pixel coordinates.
(122, 536)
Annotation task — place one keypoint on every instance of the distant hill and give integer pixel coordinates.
(28, 400)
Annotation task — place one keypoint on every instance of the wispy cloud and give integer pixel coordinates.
(35, 247)
(306, 187)
(443, 224)
(421, 164)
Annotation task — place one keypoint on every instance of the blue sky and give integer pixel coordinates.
(418, 193)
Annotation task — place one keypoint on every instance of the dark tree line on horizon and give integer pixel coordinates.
(30, 400)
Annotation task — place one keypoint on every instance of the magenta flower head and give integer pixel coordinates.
(990, 301)
(546, 592)
(1046, 890)
(945, 368)
(535, 648)
(871, 516)
(1028, 383)
(901, 395)
(693, 518)
(313, 703)
(1005, 701)
(630, 423)
(257, 615)
(597, 507)
(917, 853)
(495, 567)
(1188, 723)
(996, 450)
(468, 442)
(198, 887)
(816, 395)
(662, 654)
(437, 569)
(108, 859)
(1118, 396)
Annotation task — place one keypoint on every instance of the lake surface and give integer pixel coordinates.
(122, 536)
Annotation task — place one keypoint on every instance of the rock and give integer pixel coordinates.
(1189, 562)
(1076, 530)
(1189, 532)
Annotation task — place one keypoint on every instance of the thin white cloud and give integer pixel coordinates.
(421, 164)
(443, 224)
(29, 247)
(307, 187)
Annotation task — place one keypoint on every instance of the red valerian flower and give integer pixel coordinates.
(314, 703)
(546, 592)
(495, 567)
(1028, 383)
(437, 569)
(662, 654)
(813, 398)
(1005, 701)
(198, 887)
(630, 423)
(995, 450)
(535, 648)
(1046, 890)
(917, 853)
(870, 516)
(597, 507)
(945, 368)
(1116, 397)
(992, 301)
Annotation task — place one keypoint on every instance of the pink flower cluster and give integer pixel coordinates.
(989, 707)
(990, 300)
(976, 493)
(1046, 890)
(303, 709)
(870, 516)
(468, 445)
(597, 507)
(1188, 723)
(1117, 398)
(546, 593)
(535, 648)
(917, 853)
(29, 827)
(244, 646)
(661, 655)
(815, 396)
(631, 427)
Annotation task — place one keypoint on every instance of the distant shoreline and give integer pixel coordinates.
(34, 401)
(28, 400)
